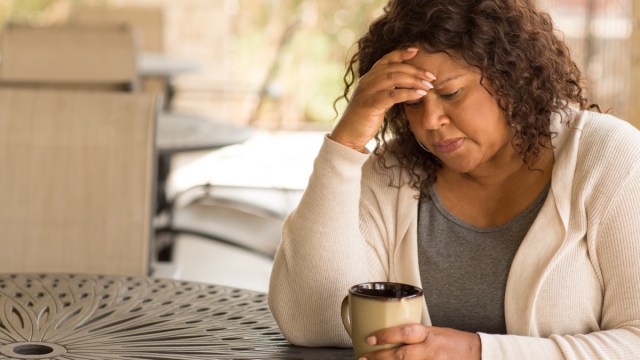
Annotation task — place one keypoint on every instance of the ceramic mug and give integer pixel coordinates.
(374, 306)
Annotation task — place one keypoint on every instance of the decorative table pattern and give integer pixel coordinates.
(67, 316)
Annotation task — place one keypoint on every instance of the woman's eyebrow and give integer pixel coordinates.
(439, 83)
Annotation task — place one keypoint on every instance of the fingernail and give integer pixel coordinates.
(427, 84)
(412, 49)
(363, 358)
(430, 75)
(421, 92)
(371, 340)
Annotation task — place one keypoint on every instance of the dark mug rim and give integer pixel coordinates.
(411, 291)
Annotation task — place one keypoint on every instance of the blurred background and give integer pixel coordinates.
(278, 64)
(275, 64)
(275, 67)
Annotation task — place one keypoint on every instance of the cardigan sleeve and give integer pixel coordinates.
(322, 252)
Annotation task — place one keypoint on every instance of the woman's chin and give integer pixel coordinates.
(460, 165)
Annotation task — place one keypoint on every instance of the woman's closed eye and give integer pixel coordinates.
(446, 96)
(451, 95)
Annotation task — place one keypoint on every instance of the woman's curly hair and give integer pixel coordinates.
(529, 69)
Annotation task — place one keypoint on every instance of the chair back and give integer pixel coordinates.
(92, 57)
(147, 21)
(77, 183)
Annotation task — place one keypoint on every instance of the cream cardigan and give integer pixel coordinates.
(573, 291)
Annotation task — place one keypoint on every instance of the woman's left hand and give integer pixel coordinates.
(425, 342)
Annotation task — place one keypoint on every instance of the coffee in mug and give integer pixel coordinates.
(373, 306)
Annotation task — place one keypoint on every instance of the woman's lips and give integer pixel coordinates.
(449, 145)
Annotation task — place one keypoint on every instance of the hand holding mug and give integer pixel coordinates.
(424, 342)
(373, 306)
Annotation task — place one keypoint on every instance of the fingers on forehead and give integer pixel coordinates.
(398, 55)
(407, 69)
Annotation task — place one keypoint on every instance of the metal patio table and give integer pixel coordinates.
(75, 316)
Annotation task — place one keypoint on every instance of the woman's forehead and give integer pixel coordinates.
(441, 62)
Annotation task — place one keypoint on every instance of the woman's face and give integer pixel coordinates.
(459, 121)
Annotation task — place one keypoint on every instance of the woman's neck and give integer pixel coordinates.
(493, 196)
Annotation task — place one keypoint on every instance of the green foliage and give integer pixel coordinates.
(305, 44)
(19, 11)
(40, 12)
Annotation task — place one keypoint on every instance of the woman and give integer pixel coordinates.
(491, 186)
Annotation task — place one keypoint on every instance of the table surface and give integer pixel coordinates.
(182, 132)
(66, 316)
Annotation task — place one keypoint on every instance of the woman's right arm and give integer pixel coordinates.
(322, 252)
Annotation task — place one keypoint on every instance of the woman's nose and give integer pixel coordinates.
(433, 115)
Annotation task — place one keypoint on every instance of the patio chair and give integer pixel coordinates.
(77, 184)
(85, 57)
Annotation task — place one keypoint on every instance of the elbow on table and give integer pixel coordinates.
(300, 336)
(301, 329)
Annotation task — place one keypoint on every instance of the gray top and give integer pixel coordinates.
(464, 268)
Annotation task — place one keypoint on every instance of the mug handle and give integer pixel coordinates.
(346, 317)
